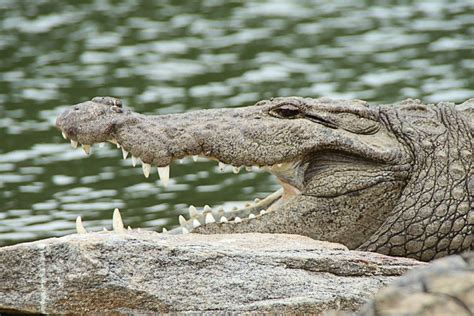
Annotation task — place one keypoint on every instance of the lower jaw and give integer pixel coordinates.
(256, 208)
(251, 210)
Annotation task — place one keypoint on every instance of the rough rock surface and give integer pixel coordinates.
(444, 287)
(150, 272)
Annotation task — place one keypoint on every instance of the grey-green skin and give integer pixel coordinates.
(444, 287)
(395, 179)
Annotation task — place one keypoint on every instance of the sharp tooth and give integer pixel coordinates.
(129, 228)
(105, 229)
(87, 149)
(164, 173)
(236, 169)
(146, 167)
(251, 216)
(134, 161)
(279, 165)
(118, 145)
(101, 145)
(196, 223)
(263, 212)
(185, 230)
(193, 211)
(113, 141)
(182, 220)
(79, 227)
(209, 218)
(64, 135)
(195, 158)
(124, 153)
(207, 209)
(248, 168)
(180, 161)
(117, 223)
(164, 230)
(221, 166)
(73, 144)
(237, 219)
(223, 219)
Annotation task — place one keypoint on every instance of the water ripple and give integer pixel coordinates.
(164, 57)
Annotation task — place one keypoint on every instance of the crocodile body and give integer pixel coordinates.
(395, 179)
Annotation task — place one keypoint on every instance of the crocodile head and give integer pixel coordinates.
(343, 165)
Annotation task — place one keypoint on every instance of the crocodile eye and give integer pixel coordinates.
(285, 111)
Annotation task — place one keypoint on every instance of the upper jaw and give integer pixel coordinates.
(157, 141)
(225, 135)
(283, 171)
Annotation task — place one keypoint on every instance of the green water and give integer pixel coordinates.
(174, 56)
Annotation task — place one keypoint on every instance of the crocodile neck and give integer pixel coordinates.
(434, 214)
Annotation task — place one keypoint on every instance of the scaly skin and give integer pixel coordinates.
(444, 287)
(394, 179)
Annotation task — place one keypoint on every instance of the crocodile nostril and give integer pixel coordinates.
(76, 108)
(117, 109)
(108, 101)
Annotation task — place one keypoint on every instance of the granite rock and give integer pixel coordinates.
(142, 272)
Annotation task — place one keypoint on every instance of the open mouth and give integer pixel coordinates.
(288, 174)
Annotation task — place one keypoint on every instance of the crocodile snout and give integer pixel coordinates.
(91, 121)
(61, 119)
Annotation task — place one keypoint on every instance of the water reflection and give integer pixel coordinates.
(173, 56)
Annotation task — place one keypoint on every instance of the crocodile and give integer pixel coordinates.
(396, 179)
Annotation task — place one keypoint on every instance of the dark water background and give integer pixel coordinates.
(174, 56)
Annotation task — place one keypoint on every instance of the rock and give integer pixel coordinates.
(142, 272)
(444, 287)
